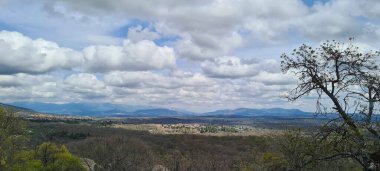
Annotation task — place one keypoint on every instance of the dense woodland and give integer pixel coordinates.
(68, 146)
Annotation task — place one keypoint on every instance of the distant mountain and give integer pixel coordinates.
(160, 112)
(115, 110)
(83, 109)
(247, 112)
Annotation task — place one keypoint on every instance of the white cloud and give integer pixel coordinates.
(19, 80)
(138, 33)
(128, 79)
(20, 54)
(84, 85)
(84, 80)
(274, 79)
(269, 21)
(154, 80)
(204, 29)
(206, 46)
(143, 55)
(152, 65)
(54, 22)
(330, 21)
(234, 67)
(22, 87)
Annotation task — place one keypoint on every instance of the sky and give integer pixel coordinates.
(198, 55)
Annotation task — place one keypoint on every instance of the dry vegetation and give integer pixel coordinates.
(200, 129)
(125, 149)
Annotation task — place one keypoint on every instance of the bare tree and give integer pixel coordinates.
(347, 84)
(117, 153)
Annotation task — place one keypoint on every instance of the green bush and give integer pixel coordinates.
(15, 156)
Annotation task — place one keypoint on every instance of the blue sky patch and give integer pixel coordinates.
(122, 32)
(310, 3)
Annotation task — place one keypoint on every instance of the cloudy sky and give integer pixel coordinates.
(198, 55)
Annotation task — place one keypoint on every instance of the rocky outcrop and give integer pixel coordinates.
(88, 164)
(159, 168)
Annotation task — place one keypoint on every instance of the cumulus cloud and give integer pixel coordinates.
(154, 80)
(213, 28)
(274, 79)
(21, 54)
(207, 46)
(330, 20)
(84, 80)
(270, 22)
(143, 55)
(152, 66)
(340, 19)
(21, 87)
(234, 67)
(19, 80)
(86, 85)
(138, 33)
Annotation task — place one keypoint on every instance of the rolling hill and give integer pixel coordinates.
(17, 110)
(115, 110)
(82, 109)
(248, 112)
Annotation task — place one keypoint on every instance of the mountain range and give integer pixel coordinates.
(116, 110)
(241, 112)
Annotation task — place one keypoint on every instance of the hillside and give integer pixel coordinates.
(248, 112)
(21, 111)
(82, 109)
(115, 110)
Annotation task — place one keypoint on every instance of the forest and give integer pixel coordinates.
(80, 146)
